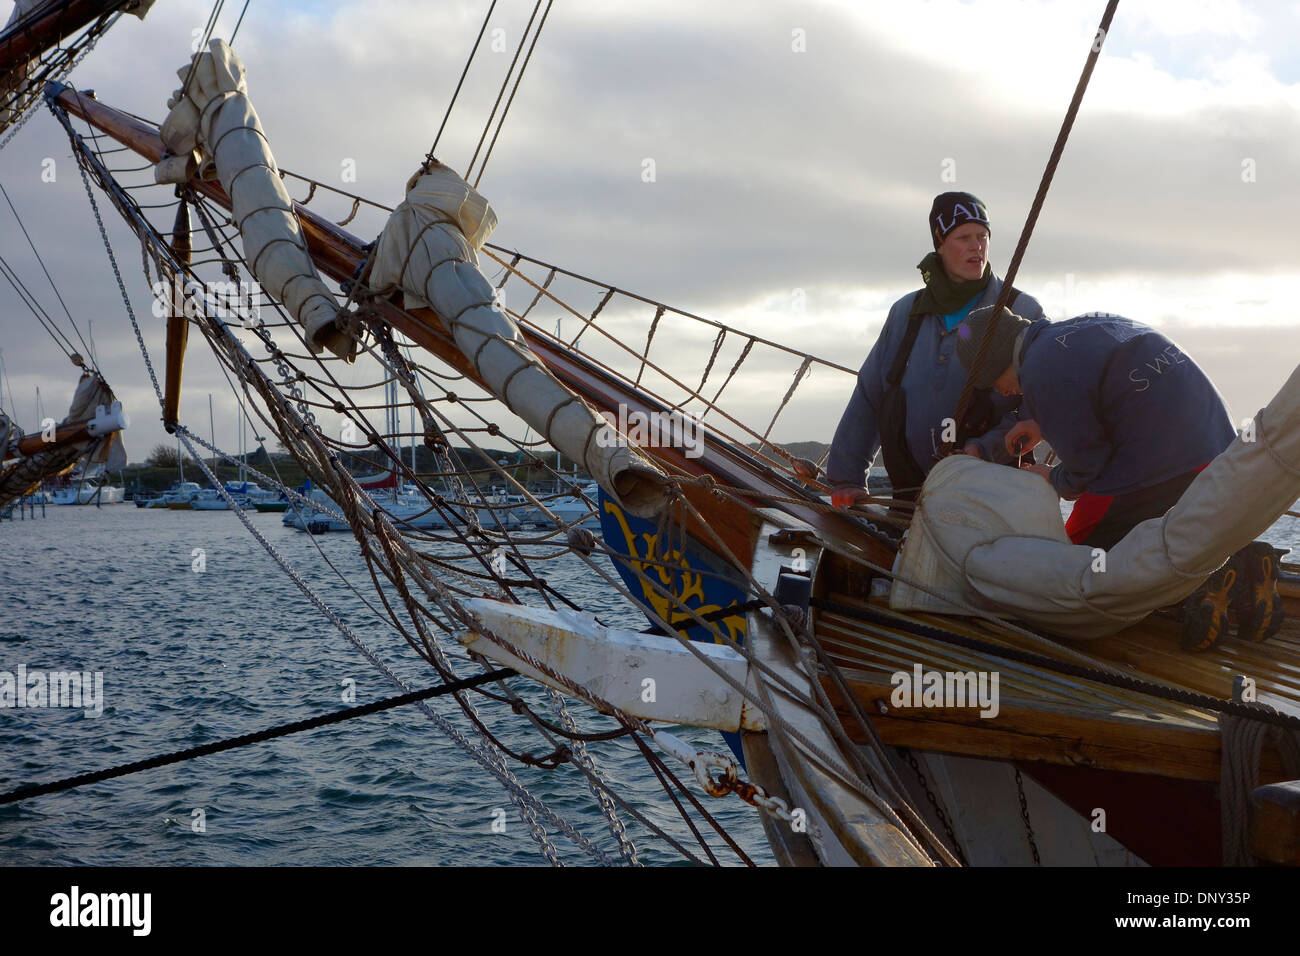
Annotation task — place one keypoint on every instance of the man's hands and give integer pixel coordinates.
(846, 496)
(1023, 437)
(1042, 471)
(805, 469)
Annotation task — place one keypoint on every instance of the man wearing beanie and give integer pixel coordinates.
(909, 385)
(1132, 419)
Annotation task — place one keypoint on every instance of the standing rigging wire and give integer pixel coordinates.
(238, 22)
(207, 35)
(4, 374)
(528, 804)
(504, 83)
(482, 729)
(463, 73)
(574, 757)
(57, 294)
(513, 91)
(29, 300)
(1004, 297)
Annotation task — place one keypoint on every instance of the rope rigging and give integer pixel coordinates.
(153, 243)
(1013, 269)
(421, 641)
(26, 294)
(515, 89)
(245, 740)
(429, 157)
(428, 582)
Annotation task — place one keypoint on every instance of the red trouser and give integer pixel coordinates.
(1102, 520)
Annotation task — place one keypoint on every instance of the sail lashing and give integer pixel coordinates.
(428, 251)
(213, 132)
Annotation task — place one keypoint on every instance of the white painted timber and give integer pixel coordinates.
(647, 675)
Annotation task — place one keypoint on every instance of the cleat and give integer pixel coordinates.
(1205, 611)
(1256, 602)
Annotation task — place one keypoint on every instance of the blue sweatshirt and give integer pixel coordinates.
(1121, 405)
(932, 384)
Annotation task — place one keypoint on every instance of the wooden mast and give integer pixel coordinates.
(178, 327)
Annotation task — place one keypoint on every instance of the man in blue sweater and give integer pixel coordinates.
(1132, 419)
(907, 390)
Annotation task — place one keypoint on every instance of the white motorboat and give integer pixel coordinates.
(404, 512)
(84, 491)
(177, 497)
(210, 499)
(581, 507)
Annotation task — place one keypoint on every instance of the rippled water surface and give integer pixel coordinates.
(190, 658)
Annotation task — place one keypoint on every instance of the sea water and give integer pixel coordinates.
(199, 636)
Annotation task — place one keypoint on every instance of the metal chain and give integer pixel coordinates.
(595, 782)
(934, 804)
(1024, 816)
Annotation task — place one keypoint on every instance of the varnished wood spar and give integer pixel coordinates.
(338, 254)
(22, 43)
(35, 443)
(178, 327)
(1127, 741)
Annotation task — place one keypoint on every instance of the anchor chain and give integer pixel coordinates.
(1024, 816)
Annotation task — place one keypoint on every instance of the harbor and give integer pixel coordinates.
(499, 479)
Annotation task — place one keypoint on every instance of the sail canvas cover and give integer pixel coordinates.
(214, 131)
(93, 392)
(993, 537)
(428, 250)
(25, 475)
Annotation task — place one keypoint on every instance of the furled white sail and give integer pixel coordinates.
(428, 249)
(993, 537)
(213, 130)
(92, 405)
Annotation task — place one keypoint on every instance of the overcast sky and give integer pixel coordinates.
(796, 146)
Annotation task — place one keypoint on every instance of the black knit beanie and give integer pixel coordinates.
(950, 210)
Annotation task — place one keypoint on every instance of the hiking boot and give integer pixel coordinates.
(1205, 611)
(1256, 602)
